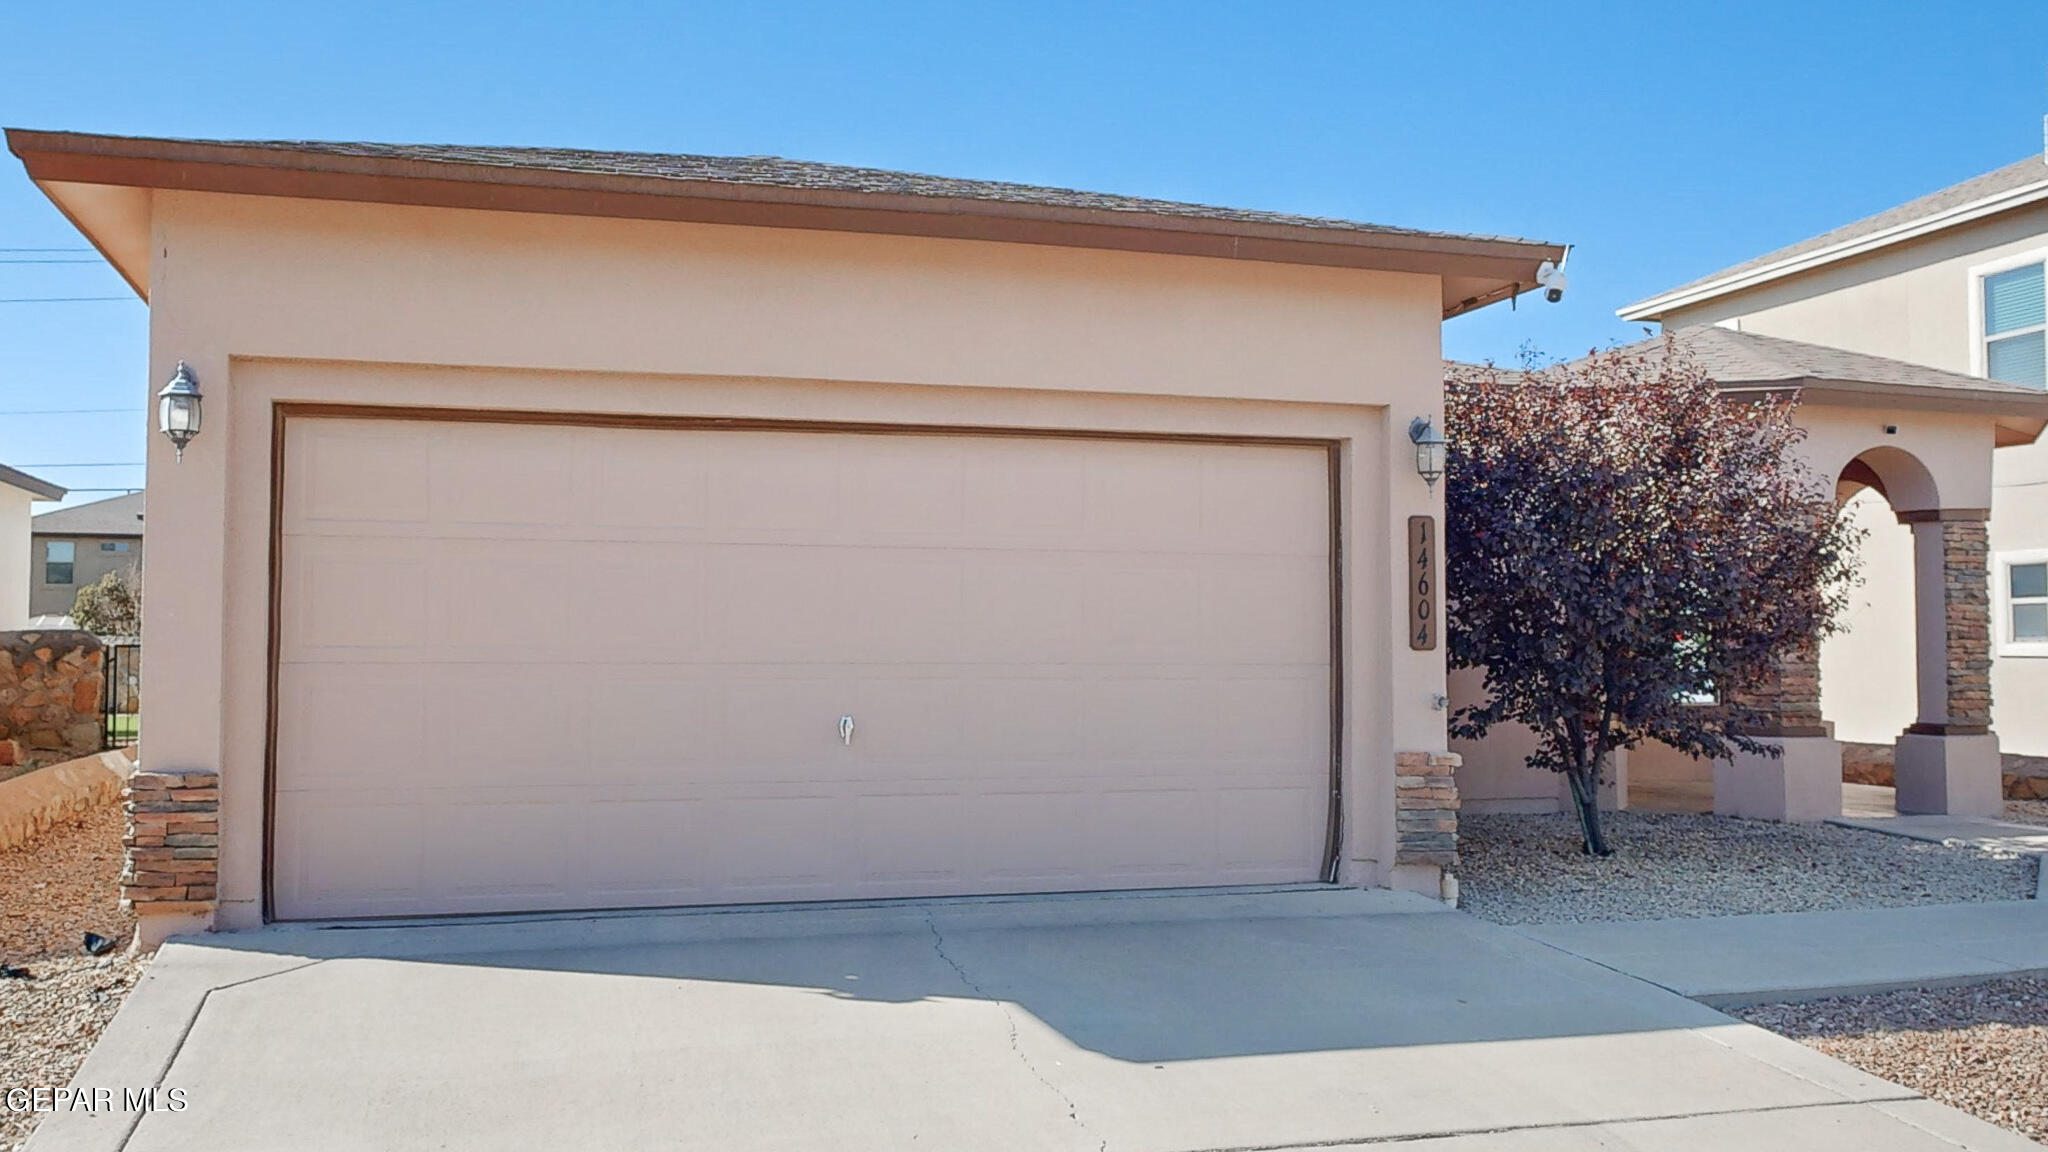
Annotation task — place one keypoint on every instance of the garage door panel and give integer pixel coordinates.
(1142, 832)
(1143, 614)
(655, 607)
(1072, 663)
(775, 604)
(1251, 502)
(902, 486)
(359, 473)
(1144, 496)
(353, 725)
(777, 486)
(646, 722)
(505, 597)
(784, 728)
(1147, 718)
(1036, 838)
(1258, 829)
(467, 856)
(898, 606)
(1023, 496)
(780, 844)
(1006, 719)
(645, 851)
(500, 478)
(1277, 718)
(1027, 608)
(1253, 612)
(351, 855)
(357, 594)
(496, 727)
(611, 468)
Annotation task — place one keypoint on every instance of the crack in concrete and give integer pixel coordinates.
(1010, 1021)
(185, 1033)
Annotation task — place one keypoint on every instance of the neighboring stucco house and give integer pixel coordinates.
(1953, 281)
(1920, 441)
(964, 537)
(18, 493)
(75, 546)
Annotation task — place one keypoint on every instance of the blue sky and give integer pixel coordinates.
(1663, 141)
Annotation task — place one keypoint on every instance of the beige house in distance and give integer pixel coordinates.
(979, 537)
(73, 547)
(18, 493)
(1952, 281)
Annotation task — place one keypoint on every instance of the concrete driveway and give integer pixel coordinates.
(1296, 1019)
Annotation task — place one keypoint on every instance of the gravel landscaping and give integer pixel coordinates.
(1983, 1049)
(2027, 812)
(54, 1000)
(1528, 869)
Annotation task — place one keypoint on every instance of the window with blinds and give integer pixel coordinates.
(2016, 327)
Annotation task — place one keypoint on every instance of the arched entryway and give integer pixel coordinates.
(1919, 624)
(1869, 688)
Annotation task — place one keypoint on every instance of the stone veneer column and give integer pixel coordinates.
(173, 842)
(1803, 779)
(1948, 761)
(1426, 823)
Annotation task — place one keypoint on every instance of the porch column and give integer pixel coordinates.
(1803, 780)
(1947, 761)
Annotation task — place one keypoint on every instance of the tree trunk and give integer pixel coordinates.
(1585, 783)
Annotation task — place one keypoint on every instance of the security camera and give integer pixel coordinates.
(1551, 277)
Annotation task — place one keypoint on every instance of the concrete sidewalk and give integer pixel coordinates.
(1736, 960)
(2001, 836)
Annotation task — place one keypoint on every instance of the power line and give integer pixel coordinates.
(108, 464)
(75, 491)
(45, 249)
(65, 411)
(60, 299)
(46, 260)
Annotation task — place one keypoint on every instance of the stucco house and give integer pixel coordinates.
(1952, 281)
(978, 537)
(73, 547)
(18, 493)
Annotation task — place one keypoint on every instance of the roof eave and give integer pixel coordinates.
(34, 486)
(1658, 307)
(2021, 409)
(1503, 265)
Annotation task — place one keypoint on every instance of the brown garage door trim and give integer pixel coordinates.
(283, 412)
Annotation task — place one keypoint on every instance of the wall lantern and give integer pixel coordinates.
(177, 408)
(1430, 448)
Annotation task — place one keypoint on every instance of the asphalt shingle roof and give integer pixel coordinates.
(2032, 170)
(1738, 360)
(802, 175)
(119, 516)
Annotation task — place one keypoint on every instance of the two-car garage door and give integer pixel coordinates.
(529, 666)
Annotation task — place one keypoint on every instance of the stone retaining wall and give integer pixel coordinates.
(33, 803)
(2026, 777)
(50, 686)
(173, 842)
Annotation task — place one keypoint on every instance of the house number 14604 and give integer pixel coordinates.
(1422, 583)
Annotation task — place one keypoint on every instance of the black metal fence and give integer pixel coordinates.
(121, 696)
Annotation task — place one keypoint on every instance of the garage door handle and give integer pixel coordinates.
(846, 730)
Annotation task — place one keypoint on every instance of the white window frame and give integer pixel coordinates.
(1979, 360)
(2001, 605)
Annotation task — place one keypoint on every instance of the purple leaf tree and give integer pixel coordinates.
(1630, 556)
